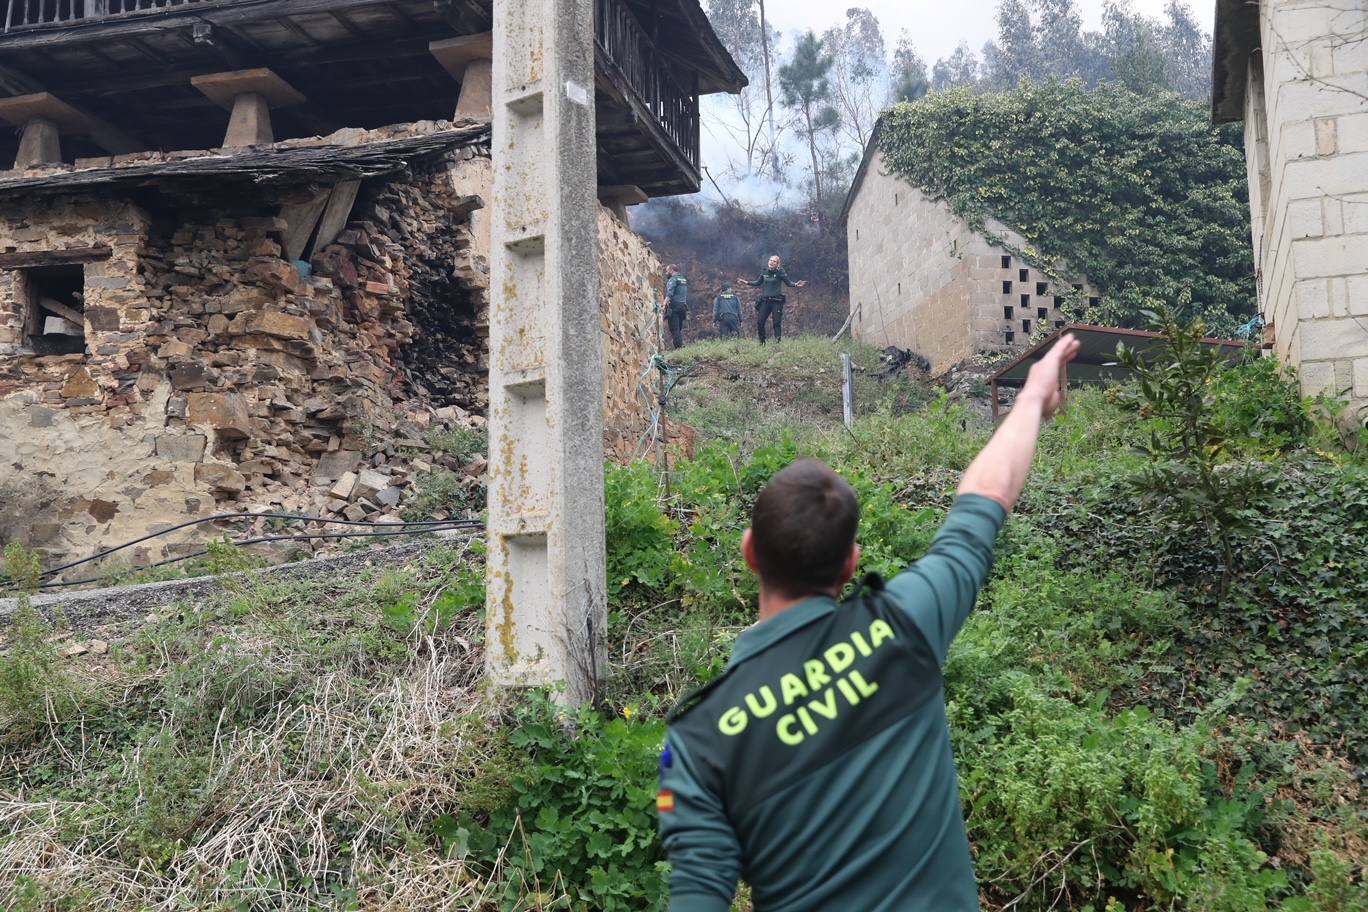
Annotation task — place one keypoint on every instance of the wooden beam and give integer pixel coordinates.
(337, 213)
(27, 259)
(300, 220)
(178, 18)
(70, 314)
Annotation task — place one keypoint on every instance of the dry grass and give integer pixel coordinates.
(272, 770)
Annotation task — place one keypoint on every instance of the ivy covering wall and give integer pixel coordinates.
(1141, 193)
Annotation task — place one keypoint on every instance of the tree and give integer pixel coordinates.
(1187, 53)
(806, 89)
(959, 69)
(909, 80)
(859, 72)
(738, 25)
(1014, 55)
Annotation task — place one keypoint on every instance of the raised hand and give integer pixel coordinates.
(1043, 381)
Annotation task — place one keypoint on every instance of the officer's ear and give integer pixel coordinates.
(748, 552)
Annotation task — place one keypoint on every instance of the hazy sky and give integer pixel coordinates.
(937, 26)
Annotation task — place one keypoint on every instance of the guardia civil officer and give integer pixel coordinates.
(771, 283)
(727, 313)
(676, 303)
(818, 766)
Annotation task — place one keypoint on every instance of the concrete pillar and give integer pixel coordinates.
(476, 91)
(545, 559)
(40, 144)
(250, 123)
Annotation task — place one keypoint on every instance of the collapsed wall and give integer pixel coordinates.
(201, 371)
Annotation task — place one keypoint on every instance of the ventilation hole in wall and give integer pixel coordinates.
(900, 288)
(1041, 288)
(1093, 302)
(1059, 324)
(1077, 287)
(1006, 262)
(1024, 275)
(1006, 287)
(857, 234)
(1059, 302)
(895, 199)
(1010, 337)
(1026, 301)
(1025, 326)
(1008, 312)
(1042, 313)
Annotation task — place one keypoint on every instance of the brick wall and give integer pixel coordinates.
(1306, 125)
(921, 278)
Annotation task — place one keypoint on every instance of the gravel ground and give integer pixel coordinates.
(94, 607)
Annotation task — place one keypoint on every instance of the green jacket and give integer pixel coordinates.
(726, 305)
(818, 767)
(771, 283)
(677, 290)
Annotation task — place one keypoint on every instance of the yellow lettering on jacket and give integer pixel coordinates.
(818, 684)
(786, 733)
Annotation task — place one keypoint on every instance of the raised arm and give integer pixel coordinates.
(753, 284)
(999, 472)
(939, 591)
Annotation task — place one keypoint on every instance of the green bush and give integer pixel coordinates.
(35, 686)
(580, 822)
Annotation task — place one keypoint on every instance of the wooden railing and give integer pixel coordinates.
(625, 46)
(32, 13)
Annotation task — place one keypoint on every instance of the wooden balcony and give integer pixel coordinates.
(362, 63)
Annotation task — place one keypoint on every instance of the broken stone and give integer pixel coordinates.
(181, 447)
(80, 385)
(333, 465)
(221, 479)
(345, 486)
(224, 412)
(354, 512)
(388, 496)
(98, 647)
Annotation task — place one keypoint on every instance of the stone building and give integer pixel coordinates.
(1296, 73)
(243, 248)
(924, 279)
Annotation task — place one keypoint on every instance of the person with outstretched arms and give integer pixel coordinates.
(770, 305)
(818, 767)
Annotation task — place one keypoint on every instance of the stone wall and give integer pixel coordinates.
(220, 377)
(1306, 128)
(629, 279)
(921, 278)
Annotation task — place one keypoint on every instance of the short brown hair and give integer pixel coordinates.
(803, 529)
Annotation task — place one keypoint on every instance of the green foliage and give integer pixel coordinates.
(640, 538)
(23, 568)
(580, 820)
(1137, 192)
(35, 687)
(441, 494)
(1188, 436)
(461, 443)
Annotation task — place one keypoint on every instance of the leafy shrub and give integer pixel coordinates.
(580, 822)
(35, 686)
(640, 538)
(23, 568)
(461, 443)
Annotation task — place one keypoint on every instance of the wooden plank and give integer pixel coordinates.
(300, 220)
(224, 88)
(25, 259)
(337, 213)
(69, 314)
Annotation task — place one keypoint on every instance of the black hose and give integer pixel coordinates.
(222, 517)
(463, 524)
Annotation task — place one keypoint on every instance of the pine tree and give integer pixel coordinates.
(806, 88)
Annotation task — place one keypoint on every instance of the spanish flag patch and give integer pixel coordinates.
(665, 802)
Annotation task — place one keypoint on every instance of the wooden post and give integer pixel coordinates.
(847, 391)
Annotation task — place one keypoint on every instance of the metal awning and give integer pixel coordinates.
(1096, 360)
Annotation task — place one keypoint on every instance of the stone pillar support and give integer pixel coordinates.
(469, 61)
(39, 144)
(545, 542)
(250, 95)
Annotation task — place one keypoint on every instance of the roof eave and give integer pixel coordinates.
(1236, 37)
